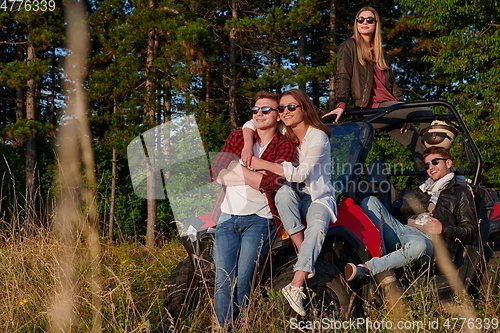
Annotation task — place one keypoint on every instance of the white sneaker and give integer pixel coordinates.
(294, 296)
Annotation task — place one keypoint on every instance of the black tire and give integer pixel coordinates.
(326, 293)
(490, 280)
(186, 286)
(179, 284)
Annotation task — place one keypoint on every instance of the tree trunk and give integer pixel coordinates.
(31, 152)
(167, 100)
(302, 56)
(151, 116)
(167, 113)
(206, 92)
(232, 69)
(20, 91)
(150, 228)
(333, 51)
(112, 198)
(19, 103)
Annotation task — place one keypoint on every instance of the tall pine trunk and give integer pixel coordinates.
(167, 114)
(31, 153)
(232, 69)
(301, 50)
(112, 199)
(20, 91)
(333, 51)
(150, 116)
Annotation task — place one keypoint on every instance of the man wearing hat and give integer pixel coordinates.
(442, 205)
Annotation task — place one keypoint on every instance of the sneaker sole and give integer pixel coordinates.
(350, 272)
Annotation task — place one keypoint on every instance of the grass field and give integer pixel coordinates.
(132, 280)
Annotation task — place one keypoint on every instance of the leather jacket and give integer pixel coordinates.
(455, 209)
(354, 80)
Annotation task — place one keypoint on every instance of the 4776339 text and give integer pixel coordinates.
(27, 5)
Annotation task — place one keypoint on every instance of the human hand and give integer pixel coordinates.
(246, 155)
(258, 163)
(405, 127)
(433, 226)
(338, 112)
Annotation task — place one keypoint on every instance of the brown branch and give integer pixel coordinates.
(14, 43)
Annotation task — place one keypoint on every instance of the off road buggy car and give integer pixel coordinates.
(353, 238)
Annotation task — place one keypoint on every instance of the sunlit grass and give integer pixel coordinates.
(133, 278)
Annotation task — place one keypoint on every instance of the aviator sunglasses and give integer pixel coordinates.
(290, 107)
(369, 20)
(434, 162)
(264, 109)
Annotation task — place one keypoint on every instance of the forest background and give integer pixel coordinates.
(154, 60)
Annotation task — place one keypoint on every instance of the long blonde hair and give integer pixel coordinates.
(311, 115)
(363, 49)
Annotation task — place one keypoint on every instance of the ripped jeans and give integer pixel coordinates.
(294, 204)
(408, 244)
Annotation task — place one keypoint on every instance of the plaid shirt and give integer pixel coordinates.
(280, 149)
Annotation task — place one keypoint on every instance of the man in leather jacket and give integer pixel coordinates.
(442, 205)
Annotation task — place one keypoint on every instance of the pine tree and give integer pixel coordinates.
(29, 64)
(465, 55)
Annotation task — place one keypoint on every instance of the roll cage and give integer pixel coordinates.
(369, 116)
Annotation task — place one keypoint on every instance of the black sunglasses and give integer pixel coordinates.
(369, 20)
(290, 107)
(434, 162)
(263, 109)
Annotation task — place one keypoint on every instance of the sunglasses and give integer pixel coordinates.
(263, 109)
(434, 162)
(369, 20)
(290, 107)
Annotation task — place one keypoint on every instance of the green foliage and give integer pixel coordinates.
(23, 129)
(466, 55)
(16, 73)
(398, 158)
(447, 50)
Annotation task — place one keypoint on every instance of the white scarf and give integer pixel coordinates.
(434, 188)
(430, 186)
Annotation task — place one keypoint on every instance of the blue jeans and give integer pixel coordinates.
(403, 243)
(294, 204)
(241, 245)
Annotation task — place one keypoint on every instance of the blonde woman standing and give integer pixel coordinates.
(364, 75)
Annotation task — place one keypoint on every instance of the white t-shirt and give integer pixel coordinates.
(245, 200)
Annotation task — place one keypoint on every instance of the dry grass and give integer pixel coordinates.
(131, 293)
(132, 298)
(415, 308)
